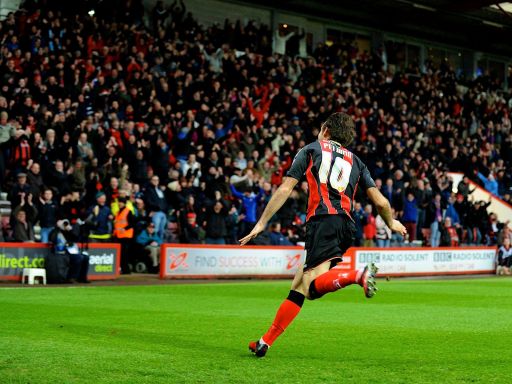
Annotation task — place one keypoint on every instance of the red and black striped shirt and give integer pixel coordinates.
(333, 174)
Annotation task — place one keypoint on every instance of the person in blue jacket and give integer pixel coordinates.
(100, 217)
(490, 183)
(276, 236)
(451, 212)
(250, 203)
(151, 242)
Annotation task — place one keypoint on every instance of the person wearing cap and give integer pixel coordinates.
(20, 190)
(237, 177)
(151, 242)
(114, 207)
(124, 224)
(191, 232)
(100, 216)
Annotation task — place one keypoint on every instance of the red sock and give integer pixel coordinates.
(284, 316)
(335, 279)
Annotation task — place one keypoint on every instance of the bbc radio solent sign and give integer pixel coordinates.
(427, 261)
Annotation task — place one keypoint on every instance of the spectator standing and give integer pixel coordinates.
(383, 234)
(482, 219)
(396, 238)
(410, 216)
(156, 205)
(100, 217)
(59, 178)
(215, 224)
(453, 214)
(472, 225)
(48, 211)
(20, 190)
(490, 183)
(72, 207)
(250, 202)
(358, 219)
(25, 216)
(6, 132)
(35, 179)
(369, 227)
(124, 224)
(192, 169)
(232, 220)
(464, 188)
(435, 217)
(159, 15)
(280, 39)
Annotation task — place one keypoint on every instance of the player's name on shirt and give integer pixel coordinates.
(330, 146)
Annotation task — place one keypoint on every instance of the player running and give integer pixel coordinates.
(333, 174)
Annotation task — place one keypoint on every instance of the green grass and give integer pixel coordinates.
(445, 331)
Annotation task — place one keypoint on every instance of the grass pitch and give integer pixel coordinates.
(443, 331)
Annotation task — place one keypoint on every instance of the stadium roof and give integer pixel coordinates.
(481, 25)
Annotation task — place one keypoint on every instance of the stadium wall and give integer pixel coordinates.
(7, 6)
(186, 261)
(214, 11)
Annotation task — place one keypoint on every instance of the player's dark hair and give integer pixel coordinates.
(341, 127)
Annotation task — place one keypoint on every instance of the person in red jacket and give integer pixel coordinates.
(369, 227)
(259, 112)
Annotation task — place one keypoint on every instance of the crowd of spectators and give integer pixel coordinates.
(192, 128)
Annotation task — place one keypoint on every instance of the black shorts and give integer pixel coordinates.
(327, 238)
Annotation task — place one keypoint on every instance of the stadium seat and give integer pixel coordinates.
(30, 274)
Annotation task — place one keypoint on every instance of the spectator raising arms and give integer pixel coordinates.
(25, 216)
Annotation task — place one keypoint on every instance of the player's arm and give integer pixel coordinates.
(384, 209)
(276, 202)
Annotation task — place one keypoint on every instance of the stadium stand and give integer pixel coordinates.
(187, 121)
